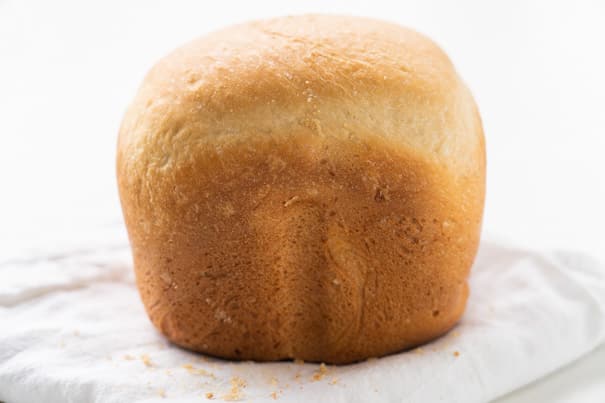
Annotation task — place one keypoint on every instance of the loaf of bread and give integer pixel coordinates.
(305, 187)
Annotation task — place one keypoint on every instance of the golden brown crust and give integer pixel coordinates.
(304, 187)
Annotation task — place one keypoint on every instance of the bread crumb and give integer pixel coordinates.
(456, 353)
(235, 393)
(232, 396)
(198, 371)
(146, 360)
(291, 201)
(320, 373)
(237, 381)
(162, 393)
(418, 351)
(274, 381)
(299, 362)
(209, 395)
(274, 395)
(221, 315)
(334, 381)
(165, 276)
(129, 357)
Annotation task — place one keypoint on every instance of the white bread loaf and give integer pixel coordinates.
(306, 187)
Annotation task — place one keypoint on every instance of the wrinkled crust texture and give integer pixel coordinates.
(306, 187)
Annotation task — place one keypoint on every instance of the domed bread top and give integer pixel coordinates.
(335, 75)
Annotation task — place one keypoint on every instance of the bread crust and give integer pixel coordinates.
(305, 187)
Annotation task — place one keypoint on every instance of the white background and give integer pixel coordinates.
(537, 69)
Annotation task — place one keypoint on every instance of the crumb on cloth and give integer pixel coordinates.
(198, 371)
(236, 393)
(146, 360)
(320, 373)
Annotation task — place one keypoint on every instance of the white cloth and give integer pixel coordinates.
(72, 329)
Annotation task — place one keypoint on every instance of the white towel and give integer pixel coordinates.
(72, 329)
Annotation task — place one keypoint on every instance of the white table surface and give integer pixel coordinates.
(68, 70)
